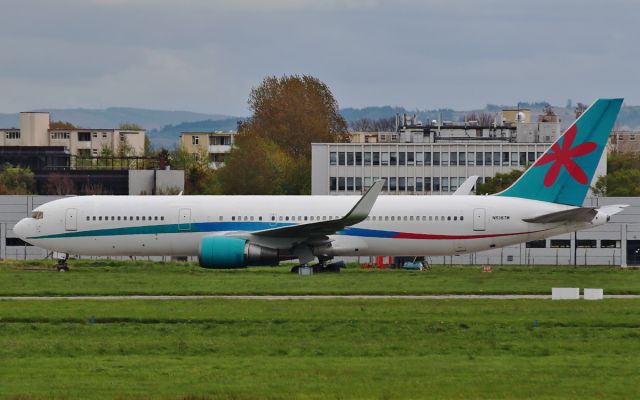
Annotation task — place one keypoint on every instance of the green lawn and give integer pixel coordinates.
(318, 349)
(117, 277)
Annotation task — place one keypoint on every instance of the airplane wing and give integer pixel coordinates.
(579, 214)
(466, 186)
(321, 229)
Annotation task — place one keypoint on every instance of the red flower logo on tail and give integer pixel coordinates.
(562, 157)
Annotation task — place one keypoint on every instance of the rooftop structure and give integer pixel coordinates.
(35, 130)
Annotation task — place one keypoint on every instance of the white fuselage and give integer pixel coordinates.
(397, 225)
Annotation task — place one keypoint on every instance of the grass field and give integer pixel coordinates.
(318, 349)
(120, 278)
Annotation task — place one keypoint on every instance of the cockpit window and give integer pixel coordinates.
(37, 215)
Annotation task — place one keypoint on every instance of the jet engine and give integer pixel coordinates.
(221, 252)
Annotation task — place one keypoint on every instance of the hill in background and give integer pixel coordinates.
(164, 127)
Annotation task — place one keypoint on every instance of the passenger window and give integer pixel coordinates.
(393, 218)
(251, 218)
(94, 217)
(436, 217)
(430, 218)
(88, 218)
(461, 218)
(162, 218)
(137, 218)
(220, 218)
(143, 217)
(449, 218)
(286, 218)
(273, 217)
(455, 218)
(118, 218)
(233, 218)
(155, 218)
(113, 218)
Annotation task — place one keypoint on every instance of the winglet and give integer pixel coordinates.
(612, 209)
(466, 186)
(363, 207)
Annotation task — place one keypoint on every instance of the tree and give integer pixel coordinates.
(293, 112)
(371, 125)
(129, 126)
(272, 171)
(59, 184)
(483, 118)
(149, 151)
(499, 182)
(16, 180)
(272, 153)
(61, 125)
(622, 183)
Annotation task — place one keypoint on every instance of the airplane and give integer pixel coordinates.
(241, 231)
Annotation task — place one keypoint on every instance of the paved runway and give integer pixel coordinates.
(305, 297)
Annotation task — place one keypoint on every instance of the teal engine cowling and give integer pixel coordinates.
(220, 252)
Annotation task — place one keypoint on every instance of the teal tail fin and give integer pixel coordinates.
(563, 173)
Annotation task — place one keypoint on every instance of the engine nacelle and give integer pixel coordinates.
(221, 252)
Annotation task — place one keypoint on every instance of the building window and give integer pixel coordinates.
(358, 183)
(462, 160)
(444, 158)
(376, 158)
(59, 135)
(471, 158)
(12, 135)
(479, 160)
(588, 243)
(350, 159)
(427, 184)
(333, 158)
(436, 184)
(367, 158)
(419, 157)
(350, 183)
(341, 158)
(332, 183)
(445, 184)
(402, 184)
(104, 135)
(402, 158)
(418, 184)
(427, 158)
(384, 158)
(410, 158)
(392, 184)
(341, 184)
(560, 243)
(195, 140)
(410, 187)
(84, 136)
(358, 158)
(609, 244)
(436, 158)
(453, 158)
(536, 244)
(393, 158)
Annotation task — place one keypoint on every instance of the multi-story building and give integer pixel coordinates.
(435, 158)
(35, 130)
(625, 141)
(215, 145)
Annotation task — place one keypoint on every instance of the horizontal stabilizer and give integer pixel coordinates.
(581, 214)
(612, 209)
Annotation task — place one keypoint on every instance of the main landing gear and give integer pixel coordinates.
(323, 266)
(62, 263)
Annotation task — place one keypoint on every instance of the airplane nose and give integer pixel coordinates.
(22, 228)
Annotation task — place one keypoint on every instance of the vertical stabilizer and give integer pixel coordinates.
(563, 173)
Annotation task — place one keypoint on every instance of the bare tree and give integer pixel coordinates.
(483, 118)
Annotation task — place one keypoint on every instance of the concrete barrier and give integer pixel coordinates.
(565, 293)
(593, 294)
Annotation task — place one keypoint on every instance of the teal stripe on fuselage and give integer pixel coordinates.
(168, 228)
(206, 227)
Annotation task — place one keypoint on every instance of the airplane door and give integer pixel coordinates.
(71, 219)
(479, 219)
(184, 220)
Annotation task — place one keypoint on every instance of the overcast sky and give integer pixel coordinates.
(205, 55)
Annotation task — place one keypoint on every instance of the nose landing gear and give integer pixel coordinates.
(62, 263)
